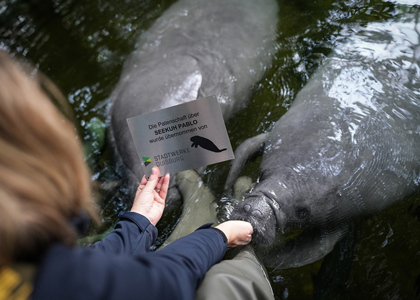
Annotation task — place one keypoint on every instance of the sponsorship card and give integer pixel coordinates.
(181, 137)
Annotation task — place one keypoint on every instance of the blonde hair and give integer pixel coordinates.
(44, 181)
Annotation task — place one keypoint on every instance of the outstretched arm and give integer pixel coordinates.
(151, 195)
(136, 231)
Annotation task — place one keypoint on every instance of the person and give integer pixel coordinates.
(45, 187)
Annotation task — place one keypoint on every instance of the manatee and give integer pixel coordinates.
(205, 144)
(348, 147)
(197, 48)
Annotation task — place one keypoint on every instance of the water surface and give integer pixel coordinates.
(82, 46)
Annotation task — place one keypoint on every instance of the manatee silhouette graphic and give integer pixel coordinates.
(205, 143)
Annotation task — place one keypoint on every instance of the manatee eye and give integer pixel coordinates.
(302, 213)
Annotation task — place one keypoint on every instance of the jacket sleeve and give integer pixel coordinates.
(171, 273)
(183, 264)
(133, 235)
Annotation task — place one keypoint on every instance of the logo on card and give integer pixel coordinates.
(146, 161)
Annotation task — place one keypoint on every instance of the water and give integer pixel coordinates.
(82, 46)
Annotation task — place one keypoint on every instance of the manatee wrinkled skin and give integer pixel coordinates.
(197, 48)
(348, 147)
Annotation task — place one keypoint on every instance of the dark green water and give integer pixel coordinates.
(82, 46)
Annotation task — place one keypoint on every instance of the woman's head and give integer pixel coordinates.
(43, 179)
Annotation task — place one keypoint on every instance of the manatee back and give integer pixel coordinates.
(350, 143)
(195, 49)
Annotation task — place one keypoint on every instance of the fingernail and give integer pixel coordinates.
(154, 171)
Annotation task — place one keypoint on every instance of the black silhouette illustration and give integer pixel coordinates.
(205, 144)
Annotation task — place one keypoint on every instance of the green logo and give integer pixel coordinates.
(147, 161)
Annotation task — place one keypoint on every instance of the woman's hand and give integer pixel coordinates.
(151, 195)
(238, 233)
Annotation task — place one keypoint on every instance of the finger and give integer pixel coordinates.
(153, 180)
(158, 172)
(143, 180)
(141, 185)
(248, 239)
(157, 197)
(159, 184)
(243, 239)
(164, 187)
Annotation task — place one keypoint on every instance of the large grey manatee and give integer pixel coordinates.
(197, 48)
(348, 147)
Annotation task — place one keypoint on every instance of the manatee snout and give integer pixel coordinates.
(260, 215)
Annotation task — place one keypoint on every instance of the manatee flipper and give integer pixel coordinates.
(312, 245)
(244, 151)
(242, 185)
(200, 170)
(240, 278)
(336, 268)
(199, 206)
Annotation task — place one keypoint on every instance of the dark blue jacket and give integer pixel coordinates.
(120, 266)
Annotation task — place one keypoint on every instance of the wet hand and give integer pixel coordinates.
(151, 195)
(238, 233)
